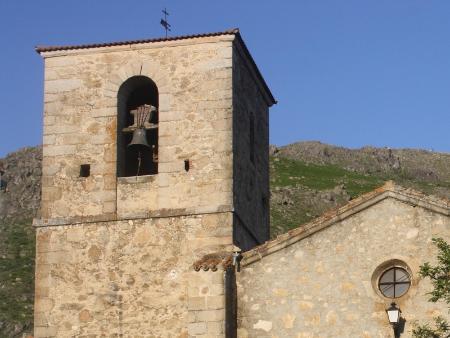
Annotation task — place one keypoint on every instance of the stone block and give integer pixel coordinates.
(192, 317)
(214, 64)
(197, 303)
(109, 207)
(40, 319)
(171, 167)
(109, 182)
(215, 302)
(51, 98)
(48, 140)
(59, 150)
(76, 234)
(60, 129)
(197, 328)
(41, 292)
(216, 289)
(62, 85)
(47, 180)
(45, 331)
(222, 125)
(103, 112)
(44, 304)
(103, 196)
(109, 150)
(49, 120)
(210, 315)
(215, 328)
(193, 292)
(60, 61)
(169, 140)
(70, 139)
(59, 257)
(165, 103)
(50, 74)
(51, 193)
(49, 170)
(171, 115)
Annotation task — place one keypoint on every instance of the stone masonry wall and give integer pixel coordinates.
(206, 304)
(194, 79)
(130, 278)
(114, 255)
(250, 173)
(322, 285)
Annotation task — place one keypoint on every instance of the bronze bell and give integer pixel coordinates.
(139, 138)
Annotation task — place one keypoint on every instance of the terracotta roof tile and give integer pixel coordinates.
(213, 261)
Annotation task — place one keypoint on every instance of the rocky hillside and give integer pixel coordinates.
(419, 165)
(23, 183)
(19, 202)
(307, 178)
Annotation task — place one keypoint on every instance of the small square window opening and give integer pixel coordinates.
(85, 170)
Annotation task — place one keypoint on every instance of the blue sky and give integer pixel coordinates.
(347, 72)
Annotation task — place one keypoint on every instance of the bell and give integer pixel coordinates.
(139, 138)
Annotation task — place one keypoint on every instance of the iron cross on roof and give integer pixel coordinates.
(164, 21)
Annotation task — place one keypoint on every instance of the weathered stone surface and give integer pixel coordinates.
(80, 128)
(128, 278)
(325, 285)
(115, 254)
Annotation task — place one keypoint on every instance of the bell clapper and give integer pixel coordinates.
(154, 154)
(139, 163)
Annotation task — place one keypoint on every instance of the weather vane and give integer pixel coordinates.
(164, 22)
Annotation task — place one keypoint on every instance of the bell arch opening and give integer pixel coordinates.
(137, 127)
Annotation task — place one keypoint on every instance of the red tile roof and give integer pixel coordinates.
(213, 261)
(41, 49)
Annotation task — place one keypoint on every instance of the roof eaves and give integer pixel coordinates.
(214, 261)
(43, 49)
(389, 189)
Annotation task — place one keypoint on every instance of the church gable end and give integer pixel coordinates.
(327, 283)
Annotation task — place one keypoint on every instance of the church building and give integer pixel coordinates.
(338, 275)
(155, 208)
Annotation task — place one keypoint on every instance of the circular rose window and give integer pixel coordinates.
(394, 282)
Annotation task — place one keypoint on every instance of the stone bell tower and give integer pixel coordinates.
(121, 225)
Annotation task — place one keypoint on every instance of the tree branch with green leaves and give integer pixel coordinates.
(439, 276)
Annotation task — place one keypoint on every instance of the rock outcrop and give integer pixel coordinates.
(21, 194)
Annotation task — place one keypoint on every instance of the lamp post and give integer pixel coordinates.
(393, 313)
